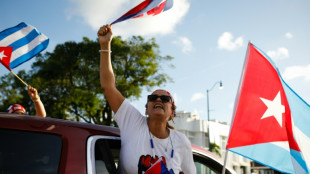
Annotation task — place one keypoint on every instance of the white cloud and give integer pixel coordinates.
(226, 42)
(280, 53)
(197, 96)
(184, 43)
(288, 35)
(100, 12)
(296, 72)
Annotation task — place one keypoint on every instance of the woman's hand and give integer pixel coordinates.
(105, 35)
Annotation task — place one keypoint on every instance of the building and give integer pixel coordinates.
(197, 132)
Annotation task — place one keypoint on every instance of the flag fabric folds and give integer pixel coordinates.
(26, 42)
(271, 122)
(147, 7)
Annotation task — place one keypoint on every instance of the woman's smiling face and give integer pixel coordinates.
(158, 108)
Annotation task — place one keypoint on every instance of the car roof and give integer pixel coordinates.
(216, 161)
(27, 122)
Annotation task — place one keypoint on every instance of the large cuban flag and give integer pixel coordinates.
(147, 7)
(19, 44)
(271, 122)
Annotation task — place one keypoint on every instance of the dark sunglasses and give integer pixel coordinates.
(163, 98)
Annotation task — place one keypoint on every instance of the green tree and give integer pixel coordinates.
(68, 78)
(215, 148)
(13, 91)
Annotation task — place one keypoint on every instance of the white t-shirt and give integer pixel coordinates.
(136, 154)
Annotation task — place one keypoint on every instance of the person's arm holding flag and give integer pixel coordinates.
(39, 107)
(107, 79)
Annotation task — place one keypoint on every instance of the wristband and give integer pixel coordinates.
(106, 51)
(35, 99)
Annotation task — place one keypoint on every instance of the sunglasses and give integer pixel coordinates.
(163, 98)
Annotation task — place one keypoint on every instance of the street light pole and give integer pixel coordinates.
(208, 110)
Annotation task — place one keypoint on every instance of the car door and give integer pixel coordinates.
(103, 154)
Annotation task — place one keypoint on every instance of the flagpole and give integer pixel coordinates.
(19, 78)
(225, 160)
(236, 99)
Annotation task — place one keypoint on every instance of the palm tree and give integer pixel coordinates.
(215, 148)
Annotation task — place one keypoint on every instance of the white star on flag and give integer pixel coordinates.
(275, 108)
(2, 55)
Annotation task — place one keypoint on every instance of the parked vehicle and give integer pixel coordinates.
(206, 161)
(35, 145)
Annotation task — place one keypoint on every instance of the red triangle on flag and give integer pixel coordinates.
(5, 56)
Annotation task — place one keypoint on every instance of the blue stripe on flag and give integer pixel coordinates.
(29, 55)
(25, 40)
(12, 30)
(300, 110)
(301, 162)
(168, 5)
(267, 154)
(300, 114)
(124, 18)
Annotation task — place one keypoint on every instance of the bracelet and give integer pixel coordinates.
(106, 51)
(35, 99)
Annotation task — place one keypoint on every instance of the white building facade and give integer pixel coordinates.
(197, 132)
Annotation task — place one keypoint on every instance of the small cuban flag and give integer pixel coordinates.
(19, 44)
(146, 8)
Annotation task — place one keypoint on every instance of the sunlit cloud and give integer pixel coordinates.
(96, 13)
(280, 53)
(197, 96)
(227, 42)
(288, 35)
(297, 72)
(184, 43)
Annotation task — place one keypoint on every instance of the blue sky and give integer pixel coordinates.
(208, 40)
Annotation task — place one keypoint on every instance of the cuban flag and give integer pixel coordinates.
(271, 122)
(19, 44)
(147, 7)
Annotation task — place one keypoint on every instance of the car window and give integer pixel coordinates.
(203, 168)
(103, 154)
(29, 152)
(204, 164)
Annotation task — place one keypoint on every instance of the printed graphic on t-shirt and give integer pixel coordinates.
(149, 165)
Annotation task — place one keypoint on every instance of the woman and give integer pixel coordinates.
(148, 144)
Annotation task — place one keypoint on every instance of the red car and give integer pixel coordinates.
(35, 145)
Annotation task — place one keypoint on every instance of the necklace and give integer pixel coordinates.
(152, 145)
(158, 142)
